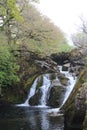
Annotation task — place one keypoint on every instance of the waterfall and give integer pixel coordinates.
(45, 89)
(69, 88)
(71, 83)
(31, 93)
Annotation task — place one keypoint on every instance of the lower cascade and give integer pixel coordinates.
(44, 90)
(42, 107)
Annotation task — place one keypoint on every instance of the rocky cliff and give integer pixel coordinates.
(75, 108)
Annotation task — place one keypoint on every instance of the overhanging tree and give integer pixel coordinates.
(10, 11)
(38, 28)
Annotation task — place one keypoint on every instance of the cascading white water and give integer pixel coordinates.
(69, 88)
(31, 93)
(44, 89)
(71, 83)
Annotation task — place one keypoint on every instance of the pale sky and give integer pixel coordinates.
(64, 13)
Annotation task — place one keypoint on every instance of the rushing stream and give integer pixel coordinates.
(26, 117)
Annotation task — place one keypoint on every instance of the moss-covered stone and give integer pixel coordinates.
(75, 107)
(29, 70)
(56, 96)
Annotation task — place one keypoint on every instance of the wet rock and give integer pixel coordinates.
(85, 122)
(35, 100)
(64, 80)
(56, 94)
(72, 61)
(66, 67)
(80, 98)
(74, 117)
(47, 63)
(56, 82)
(75, 108)
(85, 119)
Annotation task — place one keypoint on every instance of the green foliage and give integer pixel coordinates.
(9, 11)
(9, 14)
(40, 34)
(47, 48)
(65, 47)
(13, 10)
(8, 68)
(37, 31)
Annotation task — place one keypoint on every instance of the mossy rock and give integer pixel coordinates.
(29, 82)
(64, 81)
(56, 95)
(75, 106)
(40, 82)
(53, 76)
(35, 100)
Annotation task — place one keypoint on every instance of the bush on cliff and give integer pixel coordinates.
(8, 68)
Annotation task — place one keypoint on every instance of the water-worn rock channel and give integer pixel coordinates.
(47, 105)
(42, 108)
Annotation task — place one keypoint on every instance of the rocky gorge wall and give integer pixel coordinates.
(75, 108)
(32, 65)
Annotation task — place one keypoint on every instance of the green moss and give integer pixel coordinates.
(81, 79)
(40, 82)
(53, 76)
(29, 82)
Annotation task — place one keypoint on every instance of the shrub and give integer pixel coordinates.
(8, 68)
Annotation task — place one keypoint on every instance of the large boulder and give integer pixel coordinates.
(75, 108)
(66, 67)
(85, 120)
(35, 100)
(56, 94)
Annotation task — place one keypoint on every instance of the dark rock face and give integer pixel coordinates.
(64, 80)
(75, 108)
(66, 67)
(57, 91)
(60, 58)
(35, 100)
(73, 61)
(81, 98)
(56, 94)
(85, 121)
